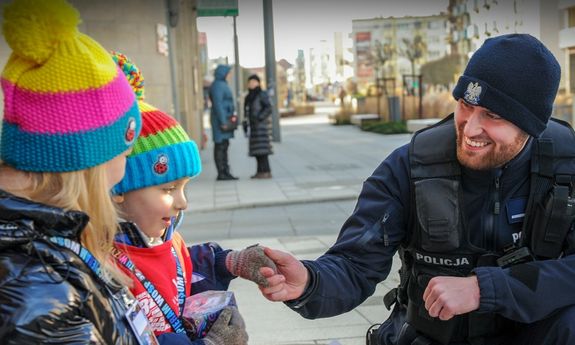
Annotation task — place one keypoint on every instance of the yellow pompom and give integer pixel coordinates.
(34, 28)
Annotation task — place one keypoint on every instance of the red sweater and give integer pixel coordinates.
(159, 267)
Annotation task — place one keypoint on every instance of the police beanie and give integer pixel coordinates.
(514, 76)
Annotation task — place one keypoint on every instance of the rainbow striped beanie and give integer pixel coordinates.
(67, 106)
(163, 152)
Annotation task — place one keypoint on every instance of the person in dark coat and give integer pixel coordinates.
(257, 110)
(220, 115)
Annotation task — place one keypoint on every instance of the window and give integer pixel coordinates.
(571, 17)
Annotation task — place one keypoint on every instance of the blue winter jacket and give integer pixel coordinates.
(222, 104)
(349, 271)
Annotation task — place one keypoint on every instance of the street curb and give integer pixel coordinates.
(274, 203)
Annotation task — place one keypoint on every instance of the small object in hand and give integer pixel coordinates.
(202, 310)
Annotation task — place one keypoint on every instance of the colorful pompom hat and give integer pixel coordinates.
(67, 106)
(163, 153)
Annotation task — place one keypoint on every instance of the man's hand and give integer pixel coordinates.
(446, 297)
(290, 280)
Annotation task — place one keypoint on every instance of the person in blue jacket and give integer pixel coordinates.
(221, 115)
(479, 208)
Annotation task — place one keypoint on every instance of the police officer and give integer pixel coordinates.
(479, 208)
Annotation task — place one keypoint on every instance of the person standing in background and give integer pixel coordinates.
(257, 110)
(220, 118)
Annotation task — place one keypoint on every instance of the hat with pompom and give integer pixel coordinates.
(67, 106)
(163, 152)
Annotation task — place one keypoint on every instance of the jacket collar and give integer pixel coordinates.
(24, 214)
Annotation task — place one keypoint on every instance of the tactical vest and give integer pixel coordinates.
(439, 245)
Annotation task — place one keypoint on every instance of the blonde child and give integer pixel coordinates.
(70, 119)
(151, 197)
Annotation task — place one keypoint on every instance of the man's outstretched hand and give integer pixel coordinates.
(290, 280)
(446, 297)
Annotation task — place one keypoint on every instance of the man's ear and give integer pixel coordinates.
(118, 198)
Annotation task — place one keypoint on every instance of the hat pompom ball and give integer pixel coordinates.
(132, 73)
(34, 28)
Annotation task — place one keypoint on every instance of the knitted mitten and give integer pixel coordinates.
(229, 329)
(246, 263)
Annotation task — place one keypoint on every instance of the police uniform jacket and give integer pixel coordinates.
(349, 271)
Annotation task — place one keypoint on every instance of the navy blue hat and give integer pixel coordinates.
(514, 76)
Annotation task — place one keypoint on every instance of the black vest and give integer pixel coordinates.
(439, 244)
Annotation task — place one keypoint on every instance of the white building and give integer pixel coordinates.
(371, 35)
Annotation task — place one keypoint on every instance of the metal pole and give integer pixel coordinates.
(271, 68)
(237, 72)
(173, 78)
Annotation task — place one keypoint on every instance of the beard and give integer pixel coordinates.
(496, 156)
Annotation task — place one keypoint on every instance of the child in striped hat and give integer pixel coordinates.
(152, 200)
(70, 120)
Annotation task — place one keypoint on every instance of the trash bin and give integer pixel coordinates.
(393, 107)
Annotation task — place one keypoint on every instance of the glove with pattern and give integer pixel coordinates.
(247, 262)
(229, 329)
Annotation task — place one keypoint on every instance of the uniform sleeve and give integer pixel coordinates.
(527, 292)
(362, 256)
(210, 272)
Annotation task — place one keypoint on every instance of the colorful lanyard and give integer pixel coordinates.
(170, 315)
(83, 253)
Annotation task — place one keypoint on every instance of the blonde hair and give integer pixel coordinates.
(86, 191)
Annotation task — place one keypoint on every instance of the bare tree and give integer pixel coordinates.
(381, 54)
(414, 50)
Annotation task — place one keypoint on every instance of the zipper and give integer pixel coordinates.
(493, 216)
(385, 235)
(496, 211)
(496, 205)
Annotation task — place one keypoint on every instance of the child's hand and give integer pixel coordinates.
(229, 329)
(246, 263)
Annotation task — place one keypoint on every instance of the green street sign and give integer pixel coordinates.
(217, 8)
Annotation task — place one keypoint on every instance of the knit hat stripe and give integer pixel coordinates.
(181, 160)
(28, 151)
(80, 64)
(155, 119)
(67, 112)
(67, 106)
(170, 136)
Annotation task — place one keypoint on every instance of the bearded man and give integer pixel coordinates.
(480, 208)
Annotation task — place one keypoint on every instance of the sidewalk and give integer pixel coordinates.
(318, 170)
(314, 161)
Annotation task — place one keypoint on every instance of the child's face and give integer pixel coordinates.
(152, 208)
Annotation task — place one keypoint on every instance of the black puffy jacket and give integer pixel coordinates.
(47, 293)
(257, 111)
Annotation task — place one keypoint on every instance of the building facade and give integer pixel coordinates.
(393, 47)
